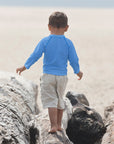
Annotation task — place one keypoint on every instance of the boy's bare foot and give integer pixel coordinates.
(53, 130)
(59, 128)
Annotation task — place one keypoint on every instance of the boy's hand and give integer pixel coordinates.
(21, 69)
(80, 75)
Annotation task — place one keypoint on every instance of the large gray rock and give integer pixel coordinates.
(19, 123)
(17, 104)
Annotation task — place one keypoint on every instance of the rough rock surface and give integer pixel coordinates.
(17, 104)
(109, 120)
(18, 123)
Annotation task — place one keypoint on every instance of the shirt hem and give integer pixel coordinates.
(55, 73)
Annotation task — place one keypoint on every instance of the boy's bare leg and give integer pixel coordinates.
(53, 119)
(59, 119)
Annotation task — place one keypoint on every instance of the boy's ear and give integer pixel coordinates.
(66, 28)
(49, 27)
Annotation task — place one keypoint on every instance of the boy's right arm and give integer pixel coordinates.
(37, 53)
(21, 69)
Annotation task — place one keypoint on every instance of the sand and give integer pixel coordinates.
(92, 32)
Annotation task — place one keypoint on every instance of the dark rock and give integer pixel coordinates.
(85, 125)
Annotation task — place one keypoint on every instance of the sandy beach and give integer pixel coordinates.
(92, 32)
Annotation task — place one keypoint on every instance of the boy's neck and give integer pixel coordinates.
(57, 31)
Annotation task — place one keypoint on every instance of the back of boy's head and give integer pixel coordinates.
(58, 20)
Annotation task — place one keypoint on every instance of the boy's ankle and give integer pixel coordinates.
(53, 129)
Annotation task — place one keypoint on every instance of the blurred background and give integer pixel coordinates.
(62, 3)
(23, 23)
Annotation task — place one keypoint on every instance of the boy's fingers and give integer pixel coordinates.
(79, 78)
(20, 73)
(17, 70)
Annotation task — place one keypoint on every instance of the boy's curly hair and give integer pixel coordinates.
(58, 20)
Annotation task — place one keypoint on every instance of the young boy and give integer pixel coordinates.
(57, 51)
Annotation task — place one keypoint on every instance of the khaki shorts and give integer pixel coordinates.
(52, 90)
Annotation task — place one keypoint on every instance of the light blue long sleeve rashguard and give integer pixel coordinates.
(57, 50)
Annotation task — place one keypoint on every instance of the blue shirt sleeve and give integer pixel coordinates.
(37, 53)
(73, 58)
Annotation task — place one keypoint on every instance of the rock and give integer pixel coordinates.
(17, 104)
(85, 125)
(19, 123)
(77, 98)
(109, 120)
(12, 84)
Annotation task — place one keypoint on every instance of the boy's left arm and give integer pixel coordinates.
(74, 61)
(80, 75)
